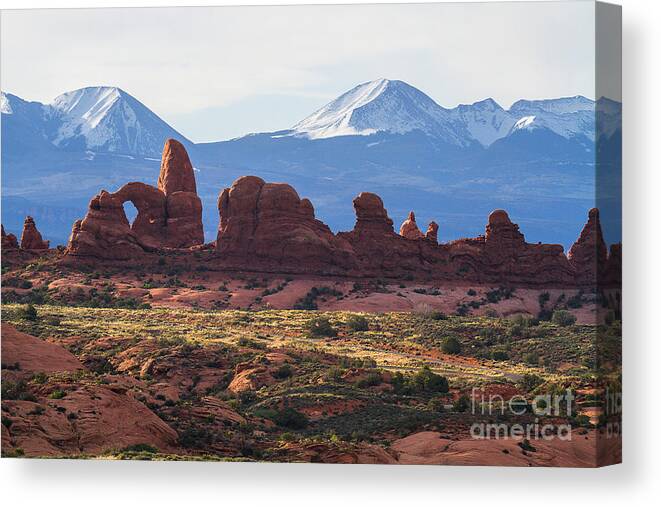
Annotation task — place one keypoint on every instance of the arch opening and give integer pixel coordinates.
(130, 211)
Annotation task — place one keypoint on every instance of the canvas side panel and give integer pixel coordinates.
(608, 92)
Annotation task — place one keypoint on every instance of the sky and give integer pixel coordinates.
(220, 72)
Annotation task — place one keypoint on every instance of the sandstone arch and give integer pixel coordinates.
(150, 223)
(168, 217)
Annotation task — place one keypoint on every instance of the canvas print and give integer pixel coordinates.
(377, 234)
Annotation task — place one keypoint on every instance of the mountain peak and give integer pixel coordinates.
(334, 119)
(383, 105)
(487, 104)
(88, 105)
(562, 105)
(106, 118)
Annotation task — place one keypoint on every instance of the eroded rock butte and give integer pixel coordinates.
(268, 227)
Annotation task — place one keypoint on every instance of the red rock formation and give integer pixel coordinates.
(382, 252)
(371, 216)
(372, 248)
(34, 355)
(502, 256)
(501, 234)
(105, 232)
(183, 207)
(151, 221)
(589, 254)
(270, 225)
(168, 216)
(108, 416)
(432, 232)
(176, 169)
(31, 238)
(409, 229)
(9, 241)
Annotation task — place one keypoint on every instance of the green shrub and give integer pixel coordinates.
(451, 345)
(29, 313)
(58, 394)
(531, 358)
(526, 445)
(563, 318)
(16, 391)
(583, 420)
(320, 327)
(309, 302)
(436, 315)
(530, 381)
(462, 310)
(290, 418)
(436, 404)
(499, 355)
(372, 379)
(524, 321)
(496, 295)
(334, 374)
(283, 372)
(250, 343)
(247, 397)
(423, 381)
(461, 404)
(426, 380)
(17, 282)
(575, 301)
(148, 448)
(196, 438)
(545, 315)
(358, 323)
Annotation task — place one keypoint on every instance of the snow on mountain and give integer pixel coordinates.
(567, 116)
(83, 110)
(103, 118)
(396, 107)
(562, 105)
(383, 106)
(108, 119)
(486, 121)
(334, 119)
(5, 107)
(527, 122)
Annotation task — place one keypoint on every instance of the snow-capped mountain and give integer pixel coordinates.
(486, 121)
(109, 119)
(25, 126)
(568, 116)
(396, 107)
(383, 106)
(100, 119)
